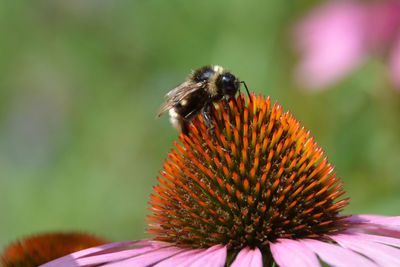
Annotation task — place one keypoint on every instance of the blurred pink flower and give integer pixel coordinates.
(349, 247)
(339, 35)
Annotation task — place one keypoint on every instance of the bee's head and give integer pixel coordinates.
(228, 84)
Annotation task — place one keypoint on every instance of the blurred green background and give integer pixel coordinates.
(81, 81)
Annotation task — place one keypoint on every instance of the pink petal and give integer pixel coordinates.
(148, 258)
(332, 40)
(71, 259)
(114, 256)
(336, 255)
(381, 239)
(213, 256)
(248, 257)
(180, 258)
(394, 64)
(375, 224)
(365, 218)
(383, 255)
(387, 222)
(376, 230)
(287, 252)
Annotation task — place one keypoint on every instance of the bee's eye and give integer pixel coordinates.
(228, 84)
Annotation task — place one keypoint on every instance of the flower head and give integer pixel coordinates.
(252, 178)
(39, 249)
(251, 189)
(338, 36)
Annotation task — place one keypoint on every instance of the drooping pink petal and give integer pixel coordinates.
(213, 256)
(332, 41)
(382, 254)
(71, 259)
(394, 63)
(365, 218)
(149, 258)
(248, 257)
(387, 222)
(336, 255)
(376, 224)
(380, 239)
(287, 252)
(180, 258)
(379, 230)
(113, 256)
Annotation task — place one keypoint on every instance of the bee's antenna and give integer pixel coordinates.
(246, 88)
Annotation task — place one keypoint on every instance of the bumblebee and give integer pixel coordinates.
(197, 94)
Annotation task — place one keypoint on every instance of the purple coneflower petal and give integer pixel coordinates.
(287, 252)
(180, 258)
(150, 253)
(377, 224)
(113, 256)
(213, 256)
(353, 248)
(382, 254)
(380, 231)
(332, 42)
(149, 258)
(380, 239)
(71, 259)
(376, 219)
(119, 253)
(336, 255)
(248, 257)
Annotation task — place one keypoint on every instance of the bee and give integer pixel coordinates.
(197, 94)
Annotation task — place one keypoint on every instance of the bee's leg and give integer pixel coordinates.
(185, 127)
(225, 102)
(206, 115)
(206, 112)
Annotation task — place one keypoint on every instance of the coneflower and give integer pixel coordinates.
(36, 250)
(251, 189)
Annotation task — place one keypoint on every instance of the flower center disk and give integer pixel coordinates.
(252, 176)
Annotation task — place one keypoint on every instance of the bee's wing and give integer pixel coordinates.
(177, 94)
